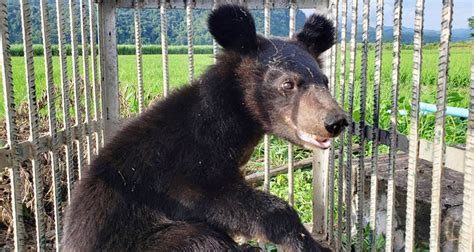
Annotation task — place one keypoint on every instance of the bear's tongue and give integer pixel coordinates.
(321, 143)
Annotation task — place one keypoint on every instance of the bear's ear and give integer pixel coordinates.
(317, 34)
(233, 27)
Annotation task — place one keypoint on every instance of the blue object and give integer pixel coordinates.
(452, 111)
(426, 108)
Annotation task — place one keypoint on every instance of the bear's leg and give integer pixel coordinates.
(240, 209)
(182, 236)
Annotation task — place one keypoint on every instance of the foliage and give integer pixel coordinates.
(471, 24)
(150, 24)
(17, 49)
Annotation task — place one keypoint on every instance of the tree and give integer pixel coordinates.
(471, 24)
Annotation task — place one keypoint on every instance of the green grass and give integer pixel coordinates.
(17, 49)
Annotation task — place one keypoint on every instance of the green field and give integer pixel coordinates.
(178, 73)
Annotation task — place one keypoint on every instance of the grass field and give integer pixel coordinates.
(178, 73)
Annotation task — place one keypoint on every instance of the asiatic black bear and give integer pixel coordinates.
(170, 180)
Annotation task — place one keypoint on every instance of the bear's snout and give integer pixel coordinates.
(335, 123)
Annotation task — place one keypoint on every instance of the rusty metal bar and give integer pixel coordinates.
(397, 23)
(138, 55)
(375, 135)
(95, 74)
(414, 125)
(439, 141)
(466, 241)
(76, 82)
(65, 93)
(33, 123)
(342, 88)
(334, 7)
(86, 76)
(12, 131)
(348, 167)
(363, 95)
(52, 123)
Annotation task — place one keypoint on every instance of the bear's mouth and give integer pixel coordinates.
(315, 140)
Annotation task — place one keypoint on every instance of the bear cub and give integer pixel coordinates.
(169, 180)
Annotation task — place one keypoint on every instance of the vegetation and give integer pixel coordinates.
(471, 24)
(150, 24)
(17, 49)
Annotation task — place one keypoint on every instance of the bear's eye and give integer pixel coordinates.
(287, 85)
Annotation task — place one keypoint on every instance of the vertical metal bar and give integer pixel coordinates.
(214, 43)
(439, 141)
(86, 78)
(266, 16)
(189, 26)
(138, 55)
(319, 183)
(164, 45)
(292, 20)
(76, 82)
(363, 95)
(342, 87)
(466, 240)
(65, 92)
(33, 123)
(266, 138)
(414, 125)
(397, 23)
(95, 76)
(290, 146)
(56, 176)
(351, 84)
(331, 178)
(12, 131)
(320, 179)
(375, 132)
(266, 163)
(290, 175)
(108, 68)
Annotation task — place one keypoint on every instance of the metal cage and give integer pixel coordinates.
(338, 180)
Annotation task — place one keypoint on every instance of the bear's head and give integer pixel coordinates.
(283, 85)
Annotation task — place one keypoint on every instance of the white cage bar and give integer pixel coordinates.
(96, 112)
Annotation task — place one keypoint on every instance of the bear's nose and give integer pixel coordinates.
(335, 123)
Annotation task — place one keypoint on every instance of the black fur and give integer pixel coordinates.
(317, 34)
(233, 28)
(170, 180)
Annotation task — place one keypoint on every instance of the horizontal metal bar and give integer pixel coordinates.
(206, 4)
(25, 149)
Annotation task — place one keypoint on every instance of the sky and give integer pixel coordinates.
(463, 9)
